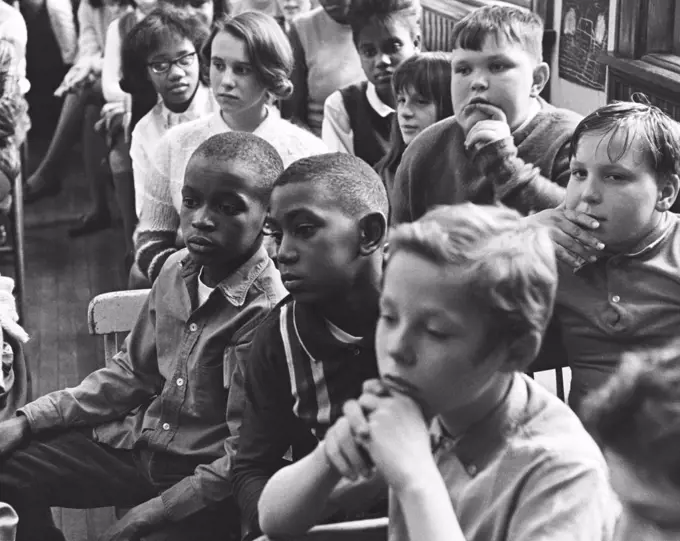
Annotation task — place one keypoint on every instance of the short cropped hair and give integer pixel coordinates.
(365, 12)
(257, 153)
(353, 184)
(636, 414)
(517, 25)
(163, 25)
(510, 265)
(640, 124)
(269, 50)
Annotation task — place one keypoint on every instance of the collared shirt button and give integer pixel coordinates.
(357, 351)
(616, 298)
(472, 470)
(180, 382)
(166, 426)
(193, 327)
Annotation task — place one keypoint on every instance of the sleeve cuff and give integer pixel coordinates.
(42, 414)
(182, 500)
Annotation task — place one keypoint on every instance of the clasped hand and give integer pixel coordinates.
(484, 132)
(383, 430)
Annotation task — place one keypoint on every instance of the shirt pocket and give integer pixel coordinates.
(210, 395)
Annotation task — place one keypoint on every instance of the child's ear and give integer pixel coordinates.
(541, 76)
(373, 228)
(668, 193)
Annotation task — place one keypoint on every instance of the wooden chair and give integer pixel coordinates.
(359, 530)
(112, 315)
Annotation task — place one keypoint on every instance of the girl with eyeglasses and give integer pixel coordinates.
(357, 119)
(250, 62)
(160, 55)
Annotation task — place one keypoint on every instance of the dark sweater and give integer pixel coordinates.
(371, 131)
(527, 171)
(278, 416)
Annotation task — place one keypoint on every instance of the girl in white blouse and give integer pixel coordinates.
(250, 63)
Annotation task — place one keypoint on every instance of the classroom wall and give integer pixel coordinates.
(569, 95)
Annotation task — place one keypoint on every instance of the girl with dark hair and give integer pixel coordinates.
(160, 55)
(357, 119)
(250, 62)
(422, 86)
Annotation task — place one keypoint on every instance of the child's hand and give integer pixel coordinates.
(571, 233)
(342, 443)
(78, 75)
(399, 440)
(494, 128)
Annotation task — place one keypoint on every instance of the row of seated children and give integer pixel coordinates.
(424, 82)
(320, 222)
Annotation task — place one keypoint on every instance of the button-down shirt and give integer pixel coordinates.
(621, 302)
(529, 471)
(167, 390)
(151, 128)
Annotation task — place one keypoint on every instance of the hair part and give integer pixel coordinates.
(164, 25)
(258, 154)
(269, 49)
(634, 123)
(510, 265)
(428, 75)
(350, 181)
(636, 414)
(379, 12)
(516, 25)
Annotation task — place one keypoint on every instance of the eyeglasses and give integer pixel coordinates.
(184, 61)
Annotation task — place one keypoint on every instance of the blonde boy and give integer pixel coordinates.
(469, 447)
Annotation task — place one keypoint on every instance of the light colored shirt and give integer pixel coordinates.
(270, 7)
(111, 66)
(93, 24)
(527, 472)
(152, 127)
(336, 130)
(331, 59)
(619, 303)
(13, 29)
(204, 291)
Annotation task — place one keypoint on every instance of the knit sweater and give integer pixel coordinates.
(527, 171)
(159, 214)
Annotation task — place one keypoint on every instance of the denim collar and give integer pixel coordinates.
(234, 287)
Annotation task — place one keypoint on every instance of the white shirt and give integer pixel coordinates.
(204, 291)
(151, 128)
(336, 130)
(111, 67)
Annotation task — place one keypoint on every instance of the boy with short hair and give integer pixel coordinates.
(467, 295)
(150, 430)
(505, 143)
(619, 286)
(329, 217)
(635, 417)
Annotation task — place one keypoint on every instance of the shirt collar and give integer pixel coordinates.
(378, 105)
(479, 444)
(200, 104)
(647, 244)
(234, 287)
(317, 340)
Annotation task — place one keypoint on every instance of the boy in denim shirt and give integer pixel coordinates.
(149, 431)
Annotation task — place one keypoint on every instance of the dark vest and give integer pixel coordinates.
(371, 131)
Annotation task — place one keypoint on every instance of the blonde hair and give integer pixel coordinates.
(509, 264)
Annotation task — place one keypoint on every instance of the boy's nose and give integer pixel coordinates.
(479, 83)
(203, 219)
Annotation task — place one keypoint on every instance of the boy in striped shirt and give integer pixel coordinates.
(313, 353)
